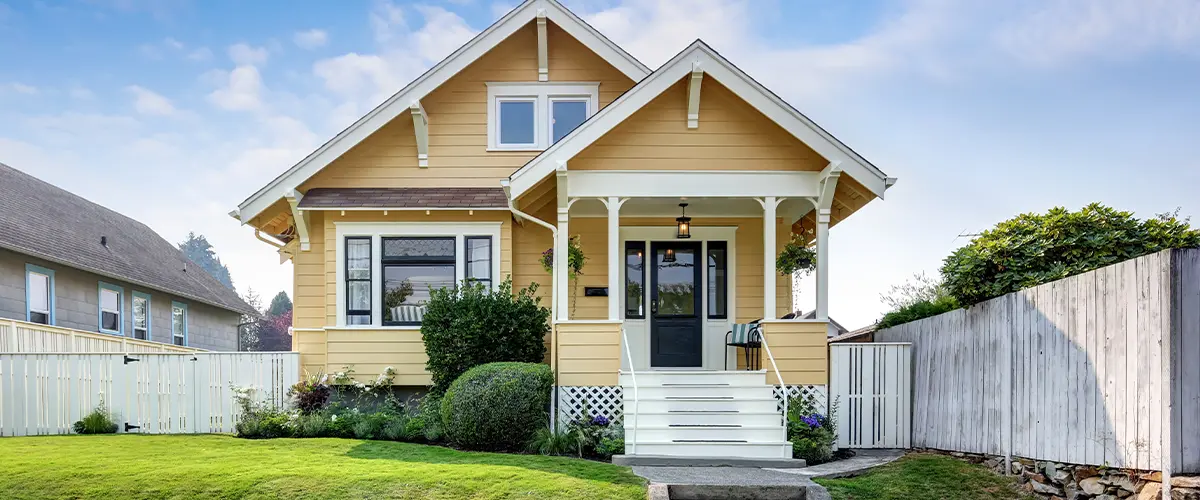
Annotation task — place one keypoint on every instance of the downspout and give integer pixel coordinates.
(507, 185)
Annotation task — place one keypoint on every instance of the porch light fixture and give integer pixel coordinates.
(683, 223)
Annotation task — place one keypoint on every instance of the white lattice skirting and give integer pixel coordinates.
(575, 402)
(818, 394)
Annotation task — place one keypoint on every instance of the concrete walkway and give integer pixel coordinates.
(862, 461)
(729, 482)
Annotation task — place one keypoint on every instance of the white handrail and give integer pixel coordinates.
(762, 336)
(636, 400)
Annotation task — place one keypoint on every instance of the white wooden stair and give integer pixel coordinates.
(728, 414)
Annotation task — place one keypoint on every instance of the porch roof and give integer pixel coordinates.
(398, 198)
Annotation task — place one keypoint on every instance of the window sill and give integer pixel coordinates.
(111, 332)
(373, 327)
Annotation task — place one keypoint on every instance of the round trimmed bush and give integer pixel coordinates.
(497, 406)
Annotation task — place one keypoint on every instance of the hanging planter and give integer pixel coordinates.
(575, 259)
(797, 257)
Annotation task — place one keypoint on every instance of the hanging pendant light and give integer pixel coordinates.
(683, 223)
(669, 255)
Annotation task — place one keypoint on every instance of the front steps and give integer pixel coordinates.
(703, 414)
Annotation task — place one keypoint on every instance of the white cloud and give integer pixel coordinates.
(173, 43)
(80, 92)
(244, 55)
(200, 54)
(148, 102)
(310, 39)
(22, 88)
(241, 90)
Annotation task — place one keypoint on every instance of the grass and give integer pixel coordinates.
(212, 466)
(925, 475)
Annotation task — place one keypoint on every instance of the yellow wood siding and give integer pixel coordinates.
(800, 352)
(589, 353)
(732, 136)
(369, 352)
(309, 278)
(313, 352)
(457, 111)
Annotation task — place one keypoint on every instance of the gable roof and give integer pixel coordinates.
(45, 221)
(431, 80)
(733, 78)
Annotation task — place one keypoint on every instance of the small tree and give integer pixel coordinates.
(198, 250)
(279, 304)
(471, 325)
(1031, 249)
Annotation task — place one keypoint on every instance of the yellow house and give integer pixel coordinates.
(541, 130)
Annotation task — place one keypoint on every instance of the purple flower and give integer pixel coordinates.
(813, 421)
(599, 420)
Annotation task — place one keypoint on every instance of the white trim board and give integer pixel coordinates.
(432, 79)
(730, 76)
(691, 183)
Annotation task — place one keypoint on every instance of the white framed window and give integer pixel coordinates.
(532, 116)
(110, 318)
(179, 312)
(399, 264)
(39, 295)
(141, 315)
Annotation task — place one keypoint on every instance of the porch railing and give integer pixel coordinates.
(782, 385)
(18, 336)
(636, 400)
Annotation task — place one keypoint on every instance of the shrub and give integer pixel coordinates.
(311, 426)
(591, 431)
(470, 325)
(264, 424)
(429, 413)
(497, 406)
(370, 426)
(1031, 249)
(311, 395)
(342, 422)
(811, 432)
(99, 421)
(612, 442)
(396, 428)
(918, 310)
(564, 441)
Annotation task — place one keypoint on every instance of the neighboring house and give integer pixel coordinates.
(70, 263)
(864, 334)
(835, 329)
(538, 130)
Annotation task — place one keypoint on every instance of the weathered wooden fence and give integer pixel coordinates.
(1101, 368)
(158, 393)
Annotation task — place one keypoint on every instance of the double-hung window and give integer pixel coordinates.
(179, 313)
(39, 295)
(110, 308)
(533, 116)
(141, 316)
(412, 268)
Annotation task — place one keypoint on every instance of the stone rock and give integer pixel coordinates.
(1123, 482)
(1018, 467)
(1091, 486)
(957, 454)
(1045, 489)
(1152, 476)
(1185, 482)
(1151, 492)
(1082, 473)
(1104, 497)
(1184, 493)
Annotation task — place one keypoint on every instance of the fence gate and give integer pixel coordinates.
(870, 384)
(157, 393)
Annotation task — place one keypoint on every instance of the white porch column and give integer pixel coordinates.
(823, 264)
(561, 278)
(769, 204)
(615, 255)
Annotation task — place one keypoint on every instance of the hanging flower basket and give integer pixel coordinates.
(575, 259)
(797, 257)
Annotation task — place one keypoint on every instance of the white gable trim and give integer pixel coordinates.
(679, 67)
(432, 79)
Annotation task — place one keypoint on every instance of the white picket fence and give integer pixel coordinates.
(155, 393)
(1102, 368)
(871, 384)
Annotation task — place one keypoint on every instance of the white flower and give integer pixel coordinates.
(333, 418)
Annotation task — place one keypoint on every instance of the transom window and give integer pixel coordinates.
(532, 116)
(390, 271)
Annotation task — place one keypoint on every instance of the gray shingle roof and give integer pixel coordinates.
(42, 220)
(448, 197)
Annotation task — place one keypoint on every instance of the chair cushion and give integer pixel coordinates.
(744, 334)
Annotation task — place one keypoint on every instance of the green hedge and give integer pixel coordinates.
(497, 406)
(470, 325)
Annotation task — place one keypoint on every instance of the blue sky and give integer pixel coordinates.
(173, 111)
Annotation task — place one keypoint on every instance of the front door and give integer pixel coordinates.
(675, 317)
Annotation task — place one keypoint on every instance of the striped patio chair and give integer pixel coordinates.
(748, 337)
(408, 313)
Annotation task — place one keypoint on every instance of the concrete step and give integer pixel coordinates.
(716, 461)
(757, 433)
(664, 418)
(695, 403)
(713, 448)
(698, 390)
(686, 378)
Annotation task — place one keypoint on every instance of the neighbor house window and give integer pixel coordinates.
(635, 275)
(179, 313)
(39, 295)
(358, 281)
(479, 259)
(412, 269)
(532, 116)
(141, 316)
(110, 308)
(718, 262)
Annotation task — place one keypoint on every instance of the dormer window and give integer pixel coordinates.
(532, 116)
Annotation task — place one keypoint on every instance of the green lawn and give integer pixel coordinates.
(210, 466)
(924, 475)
